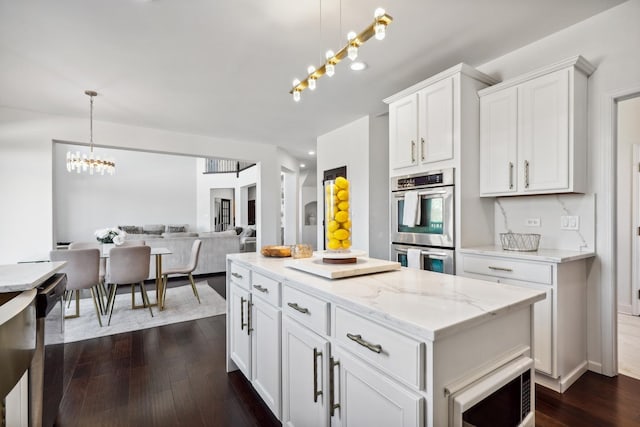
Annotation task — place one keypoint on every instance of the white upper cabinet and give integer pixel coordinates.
(533, 137)
(426, 120)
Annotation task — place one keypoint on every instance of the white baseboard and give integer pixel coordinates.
(595, 367)
(625, 308)
(561, 385)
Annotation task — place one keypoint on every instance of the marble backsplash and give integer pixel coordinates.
(512, 213)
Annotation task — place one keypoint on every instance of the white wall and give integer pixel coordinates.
(26, 172)
(147, 188)
(626, 171)
(348, 145)
(610, 41)
(379, 187)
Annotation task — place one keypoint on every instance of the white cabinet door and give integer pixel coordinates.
(543, 132)
(304, 376)
(265, 353)
(403, 132)
(368, 398)
(498, 142)
(435, 122)
(240, 334)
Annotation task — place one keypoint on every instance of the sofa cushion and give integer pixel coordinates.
(153, 229)
(176, 228)
(181, 234)
(131, 229)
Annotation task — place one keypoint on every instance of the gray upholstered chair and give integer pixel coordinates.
(127, 243)
(103, 268)
(128, 265)
(82, 270)
(182, 270)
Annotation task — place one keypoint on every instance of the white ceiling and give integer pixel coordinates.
(224, 67)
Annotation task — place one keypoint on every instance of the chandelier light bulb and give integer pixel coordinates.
(379, 30)
(352, 50)
(378, 12)
(312, 83)
(296, 95)
(330, 69)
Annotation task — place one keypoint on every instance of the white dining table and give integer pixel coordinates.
(157, 252)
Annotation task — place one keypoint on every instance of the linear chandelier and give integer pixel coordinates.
(83, 163)
(377, 28)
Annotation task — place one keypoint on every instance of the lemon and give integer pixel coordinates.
(330, 188)
(333, 225)
(343, 194)
(346, 244)
(341, 216)
(341, 234)
(343, 206)
(335, 211)
(334, 244)
(342, 183)
(329, 234)
(347, 224)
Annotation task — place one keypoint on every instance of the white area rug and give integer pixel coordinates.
(180, 305)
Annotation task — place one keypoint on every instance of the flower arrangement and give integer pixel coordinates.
(110, 235)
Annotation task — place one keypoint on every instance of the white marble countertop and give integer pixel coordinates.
(547, 255)
(23, 277)
(422, 303)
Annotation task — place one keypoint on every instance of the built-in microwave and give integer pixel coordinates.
(502, 398)
(435, 192)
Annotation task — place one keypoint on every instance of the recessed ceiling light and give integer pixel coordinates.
(311, 152)
(302, 165)
(358, 66)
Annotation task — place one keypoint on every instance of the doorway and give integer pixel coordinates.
(628, 234)
(222, 208)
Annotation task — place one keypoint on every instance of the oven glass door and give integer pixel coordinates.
(438, 260)
(435, 227)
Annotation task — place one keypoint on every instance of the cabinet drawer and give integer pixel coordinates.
(240, 275)
(509, 269)
(266, 288)
(308, 310)
(390, 351)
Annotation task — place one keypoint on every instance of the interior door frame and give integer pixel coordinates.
(635, 248)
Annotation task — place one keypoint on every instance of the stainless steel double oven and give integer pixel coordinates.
(433, 234)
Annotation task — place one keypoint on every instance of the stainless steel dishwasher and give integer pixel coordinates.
(46, 375)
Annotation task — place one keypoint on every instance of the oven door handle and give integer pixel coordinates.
(440, 255)
(424, 193)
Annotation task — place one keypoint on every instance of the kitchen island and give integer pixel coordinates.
(405, 347)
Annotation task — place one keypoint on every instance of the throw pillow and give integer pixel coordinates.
(176, 228)
(153, 229)
(238, 230)
(131, 229)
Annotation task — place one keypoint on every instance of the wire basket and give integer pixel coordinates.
(520, 242)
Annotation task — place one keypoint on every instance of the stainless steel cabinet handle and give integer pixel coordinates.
(249, 328)
(316, 392)
(296, 307)
(510, 175)
(236, 275)
(413, 151)
(491, 267)
(332, 398)
(261, 288)
(526, 174)
(242, 324)
(422, 149)
(376, 348)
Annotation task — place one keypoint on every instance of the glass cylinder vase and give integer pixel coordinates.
(337, 215)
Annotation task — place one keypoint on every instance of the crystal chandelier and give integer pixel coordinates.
(81, 162)
(376, 29)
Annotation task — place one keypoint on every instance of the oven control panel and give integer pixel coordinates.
(430, 179)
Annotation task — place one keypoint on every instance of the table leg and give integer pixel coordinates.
(159, 284)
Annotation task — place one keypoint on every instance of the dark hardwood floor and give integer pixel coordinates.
(175, 375)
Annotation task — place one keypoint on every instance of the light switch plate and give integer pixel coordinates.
(532, 222)
(569, 222)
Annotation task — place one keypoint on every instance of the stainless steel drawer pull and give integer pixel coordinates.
(296, 307)
(236, 275)
(422, 149)
(510, 176)
(413, 151)
(491, 267)
(316, 392)
(526, 174)
(261, 288)
(242, 324)
(332, 398)
(249, 328)
(376, 348)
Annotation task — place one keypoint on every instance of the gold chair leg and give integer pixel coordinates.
(165, 281)
(112, 299)
(193, 286)
(95, 303)
(145, 298)
(73, 316)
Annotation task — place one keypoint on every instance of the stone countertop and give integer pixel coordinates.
(423, 303)
(23, 277)
(557, 256)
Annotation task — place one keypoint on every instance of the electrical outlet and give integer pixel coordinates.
(569, 222)
(532, 222)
